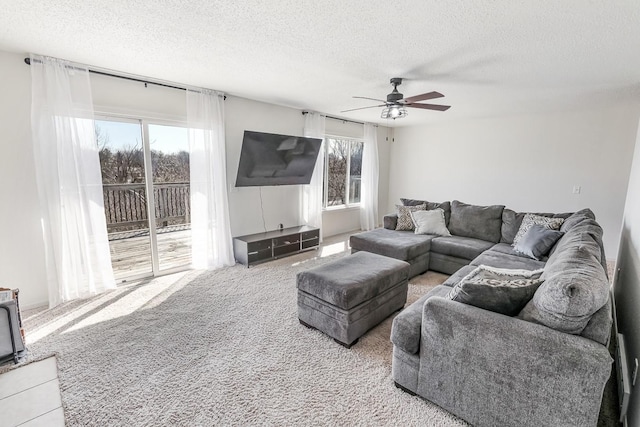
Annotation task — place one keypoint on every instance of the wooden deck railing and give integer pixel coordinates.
(125, 205)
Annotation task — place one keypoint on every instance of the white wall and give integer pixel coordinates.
(280, 203)
(526, 162)
(21, 248)
(627, 283)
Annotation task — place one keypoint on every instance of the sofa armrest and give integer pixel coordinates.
(492, 369)
(390, 221)
(405, 329)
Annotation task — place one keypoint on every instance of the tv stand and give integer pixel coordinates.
(260, 247)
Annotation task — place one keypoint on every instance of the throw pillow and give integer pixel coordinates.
(530, 219)
(430, 222)
(405, 223)
(497, 289)
(445, 206)
(537, 241)
(511, 221)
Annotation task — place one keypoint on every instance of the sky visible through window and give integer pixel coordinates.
(168, 139)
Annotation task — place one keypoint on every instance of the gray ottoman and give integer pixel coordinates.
(347, 297)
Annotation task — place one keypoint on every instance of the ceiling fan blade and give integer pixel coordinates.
(429, 106)
(370, 99)
(362, 108)
(424, 96)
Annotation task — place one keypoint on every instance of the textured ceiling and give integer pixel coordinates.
(488, 57)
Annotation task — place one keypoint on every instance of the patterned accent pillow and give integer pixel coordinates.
(405, 222)
(531, 219)
(497, 289)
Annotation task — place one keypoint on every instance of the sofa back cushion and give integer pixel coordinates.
(581, 228)
(575, 287)
(575, 218)
(390, 221)
(445, 206)
(479, 222)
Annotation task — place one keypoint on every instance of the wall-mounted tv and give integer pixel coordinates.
(272, 159)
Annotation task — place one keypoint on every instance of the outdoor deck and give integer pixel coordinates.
(126, 213)
(131, 251)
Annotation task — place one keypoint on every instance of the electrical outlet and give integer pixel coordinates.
(577, 189)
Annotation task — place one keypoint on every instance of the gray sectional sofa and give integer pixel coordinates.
(546, 366)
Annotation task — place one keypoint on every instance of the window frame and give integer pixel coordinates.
(144, 122)
(325, 181)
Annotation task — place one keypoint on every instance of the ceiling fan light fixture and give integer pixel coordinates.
(394, 112)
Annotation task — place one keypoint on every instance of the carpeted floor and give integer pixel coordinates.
(221, 348)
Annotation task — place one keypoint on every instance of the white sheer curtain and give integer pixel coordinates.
(314, 127)
(370, 172)
(69, 181)
(210, 228)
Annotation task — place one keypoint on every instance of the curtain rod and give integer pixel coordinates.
(146, 82)
(304, 113)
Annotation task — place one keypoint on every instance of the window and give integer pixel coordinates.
(343, 170)
(147, 235)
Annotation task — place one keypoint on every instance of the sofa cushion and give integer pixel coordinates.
(499, 290)
(501, 260)
(430, 222)
(511, 221)
(478, 222)
(504, 248)
(405, 222)
(405, 330)
(575, 287)
(445, 206)
(353, 279)
(402, 245)
(446, 264)
(537, 241)
(530, 220)
(458, 275)
(460, 247)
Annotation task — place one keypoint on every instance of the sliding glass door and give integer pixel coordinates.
(147, 235)
(170, 170)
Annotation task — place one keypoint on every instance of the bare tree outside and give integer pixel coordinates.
(125, 165)
(343, 156)
(337, 159)
(123, 177)
(355, 172)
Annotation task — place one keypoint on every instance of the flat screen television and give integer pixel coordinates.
(272, 159)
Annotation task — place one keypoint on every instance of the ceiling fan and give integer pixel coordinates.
(396, 102)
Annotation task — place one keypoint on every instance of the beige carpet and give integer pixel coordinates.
(221, 348)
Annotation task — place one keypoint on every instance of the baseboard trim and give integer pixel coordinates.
(621, 365)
